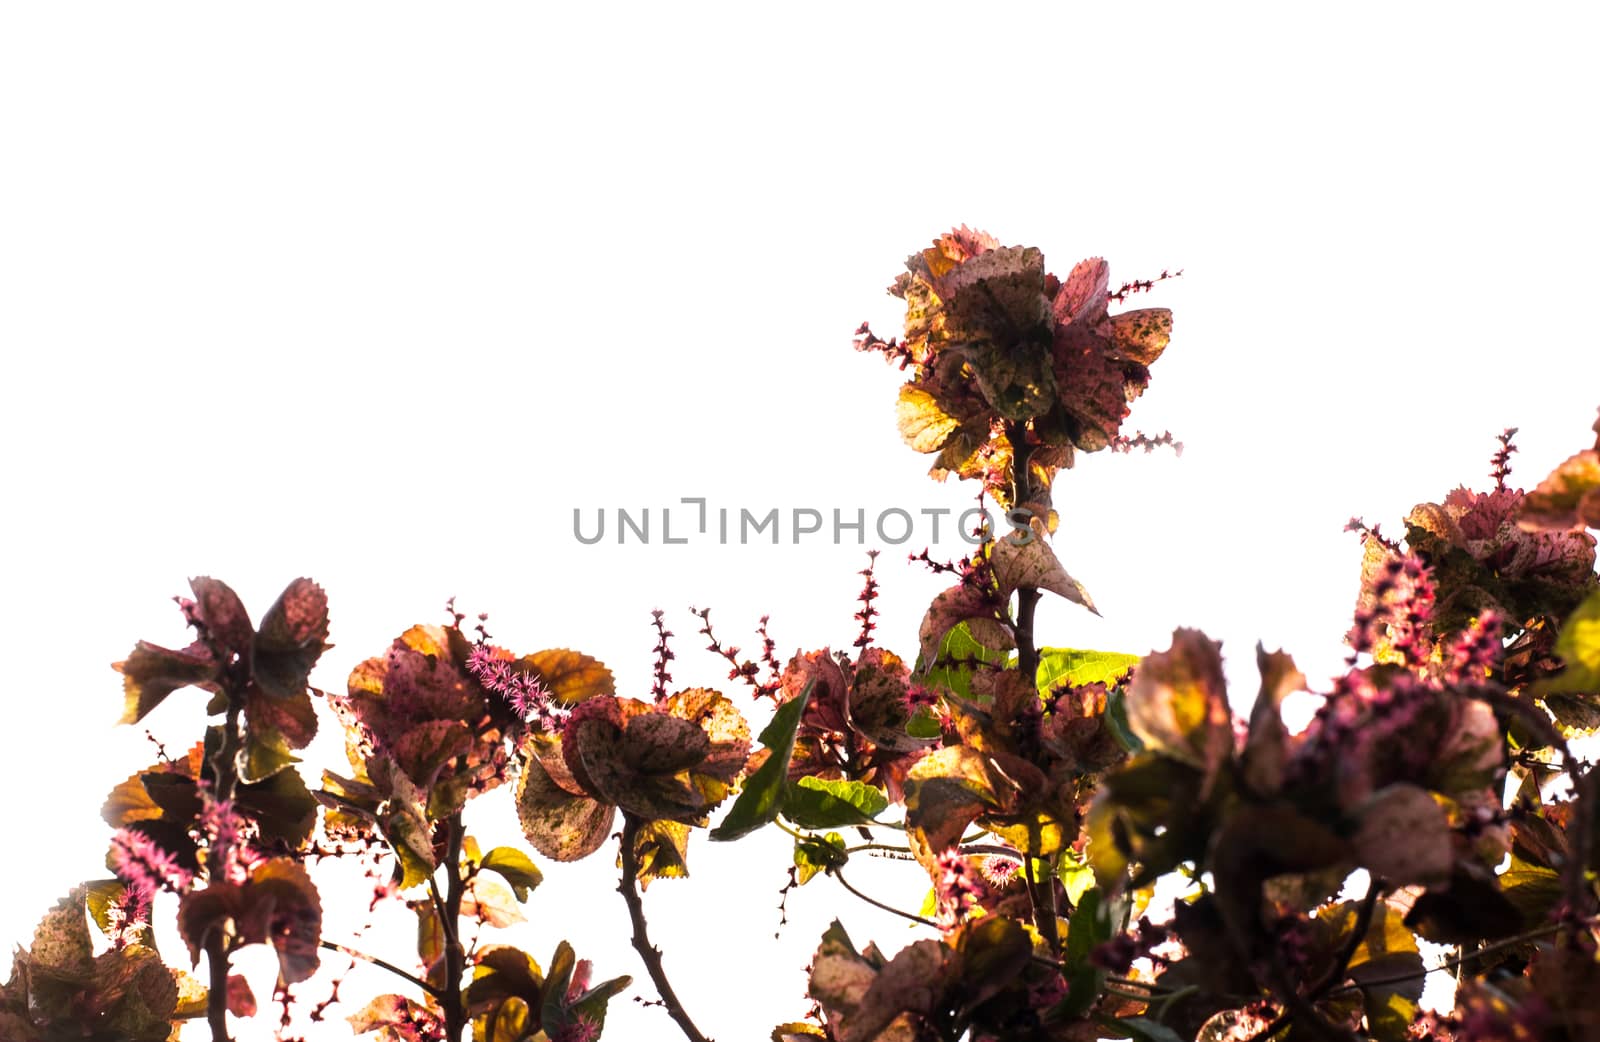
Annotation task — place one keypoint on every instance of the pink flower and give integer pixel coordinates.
(959, 889)
(581, 1029)
(144, 866)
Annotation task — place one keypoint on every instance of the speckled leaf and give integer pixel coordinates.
(658, 744)
(1034, 563)
(293, 635)
(915, 981)
(222, 613)
(716, 715)
(662, 851)
(61, 941)
(559, 824)
(923, 425)
(949, 788)
(289, 719)
(962, 604)
(1140, 336)
(877, 701)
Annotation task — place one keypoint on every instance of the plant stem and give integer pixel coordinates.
(1041, 886)
(383, 964)
(1358, 934)
(1460, 960)
(455, 957)
(1042, 893)
(874, 902)
(651, 955)
(225, 775)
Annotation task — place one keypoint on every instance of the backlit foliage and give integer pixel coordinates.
(1038, 793)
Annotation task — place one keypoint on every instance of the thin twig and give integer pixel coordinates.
(1583, 787)
(1358, 934)
(651, 955)
(1455, 961)
(383, 964)
(874, 902)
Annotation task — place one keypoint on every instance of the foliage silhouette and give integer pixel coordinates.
(1043, 791)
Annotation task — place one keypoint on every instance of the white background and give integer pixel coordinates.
(379, 294)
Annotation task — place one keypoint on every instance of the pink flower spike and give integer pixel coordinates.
(141, 864)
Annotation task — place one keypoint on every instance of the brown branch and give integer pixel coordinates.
(455, 956)
(1041, 891)
(651, 955)
(224, 769)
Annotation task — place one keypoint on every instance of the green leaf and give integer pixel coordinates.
(1076, 876)
(1579, 647)
(815, 803)
(959, 653)
(1074, 668)
(815, 854)
(556, 980)
(762, 796)
(1088, 927)
(516, 867)
(924, 723)
(265, 753)
(1116, 720)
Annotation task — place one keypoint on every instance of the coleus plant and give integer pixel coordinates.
(1043, 793)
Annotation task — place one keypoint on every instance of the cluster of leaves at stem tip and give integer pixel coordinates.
(1101, 847)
